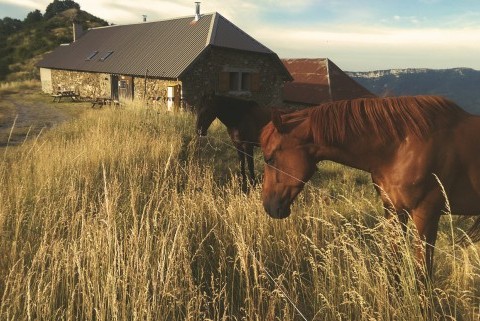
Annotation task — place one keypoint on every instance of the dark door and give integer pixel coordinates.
(125, 88)
(114, 87)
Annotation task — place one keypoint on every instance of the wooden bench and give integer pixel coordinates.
(68, 93)
(102, 101)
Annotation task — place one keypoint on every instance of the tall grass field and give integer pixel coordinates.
(123, 214)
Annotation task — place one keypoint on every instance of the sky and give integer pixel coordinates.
(357, 35)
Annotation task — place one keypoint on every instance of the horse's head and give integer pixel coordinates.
(289, 163)
(206, 112)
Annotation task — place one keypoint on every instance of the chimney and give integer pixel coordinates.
(77, 31)
(144, 17)
(197, 11)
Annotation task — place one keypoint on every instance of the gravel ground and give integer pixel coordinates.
(24, 114)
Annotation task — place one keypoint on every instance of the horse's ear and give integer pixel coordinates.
(277, 121)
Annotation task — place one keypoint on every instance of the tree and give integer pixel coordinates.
(9, 26)
(58, 6)
(4, 70)
(33, 17)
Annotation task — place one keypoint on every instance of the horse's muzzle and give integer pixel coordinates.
(277, 209)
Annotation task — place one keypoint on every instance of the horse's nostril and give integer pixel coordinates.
(277, 210)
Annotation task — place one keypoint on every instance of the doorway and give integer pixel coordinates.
(125, 88)
(122, 87)
(114, 87)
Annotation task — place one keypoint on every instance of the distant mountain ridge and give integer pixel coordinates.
(462, 85)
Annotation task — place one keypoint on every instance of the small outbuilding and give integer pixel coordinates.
(174, 60)
(318, 81)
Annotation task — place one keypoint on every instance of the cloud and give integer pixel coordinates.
(131, 11)
(408, 20)
(361, 36)
(366, 49)
(30, 4)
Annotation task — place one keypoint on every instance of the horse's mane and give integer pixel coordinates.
(389, 118)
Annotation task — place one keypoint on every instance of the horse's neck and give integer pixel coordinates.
(229, 117)
(233, 116)
(363, 153)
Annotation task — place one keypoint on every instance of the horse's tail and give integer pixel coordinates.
(472, 235)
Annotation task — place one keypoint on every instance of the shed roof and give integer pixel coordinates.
(164, 48)
(317, 81)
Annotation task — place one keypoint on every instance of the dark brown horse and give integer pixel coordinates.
(244, 120)
(409, 145)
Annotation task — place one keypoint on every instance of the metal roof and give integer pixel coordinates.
(317, 81)
(164, 48)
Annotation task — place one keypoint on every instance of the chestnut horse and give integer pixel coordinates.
(409, 145)
(244, 120)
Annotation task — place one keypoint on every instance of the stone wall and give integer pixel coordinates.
(205, 75)
(155, 88)
(202, 76)
(83, 83)
(99, 85)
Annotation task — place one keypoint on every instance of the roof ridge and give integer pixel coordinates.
(156, 21)
(218, 16)
(213, 29)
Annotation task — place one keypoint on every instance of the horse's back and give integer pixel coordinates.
(451, 152)
(459, 165)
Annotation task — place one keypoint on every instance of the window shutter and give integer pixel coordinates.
(255, 79)
(223, 82)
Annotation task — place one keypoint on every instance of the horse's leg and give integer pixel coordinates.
(241, 157)
(250, 163)
(427, 226)
(391, 214)
(426, 217)
(393, 218)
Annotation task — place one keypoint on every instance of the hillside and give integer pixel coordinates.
(459, 84)
(24, 42)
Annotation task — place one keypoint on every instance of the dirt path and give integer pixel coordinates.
(27, 113)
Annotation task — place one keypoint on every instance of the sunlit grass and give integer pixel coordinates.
(123, 215)
(18, 86)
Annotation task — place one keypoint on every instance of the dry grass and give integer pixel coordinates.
(122, 215)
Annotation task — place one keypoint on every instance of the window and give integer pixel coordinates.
(106, 55)
(245, 84)
(234, 81)
(239, 81)
(90, 57)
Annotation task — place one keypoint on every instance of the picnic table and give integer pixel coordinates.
(102, 101)
(65, 93)
(155, 100)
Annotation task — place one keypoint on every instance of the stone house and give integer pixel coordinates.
(318, 81)
(174, 60)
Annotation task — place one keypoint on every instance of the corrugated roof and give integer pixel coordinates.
(166, 48)
(317, 81)
(226, 34)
